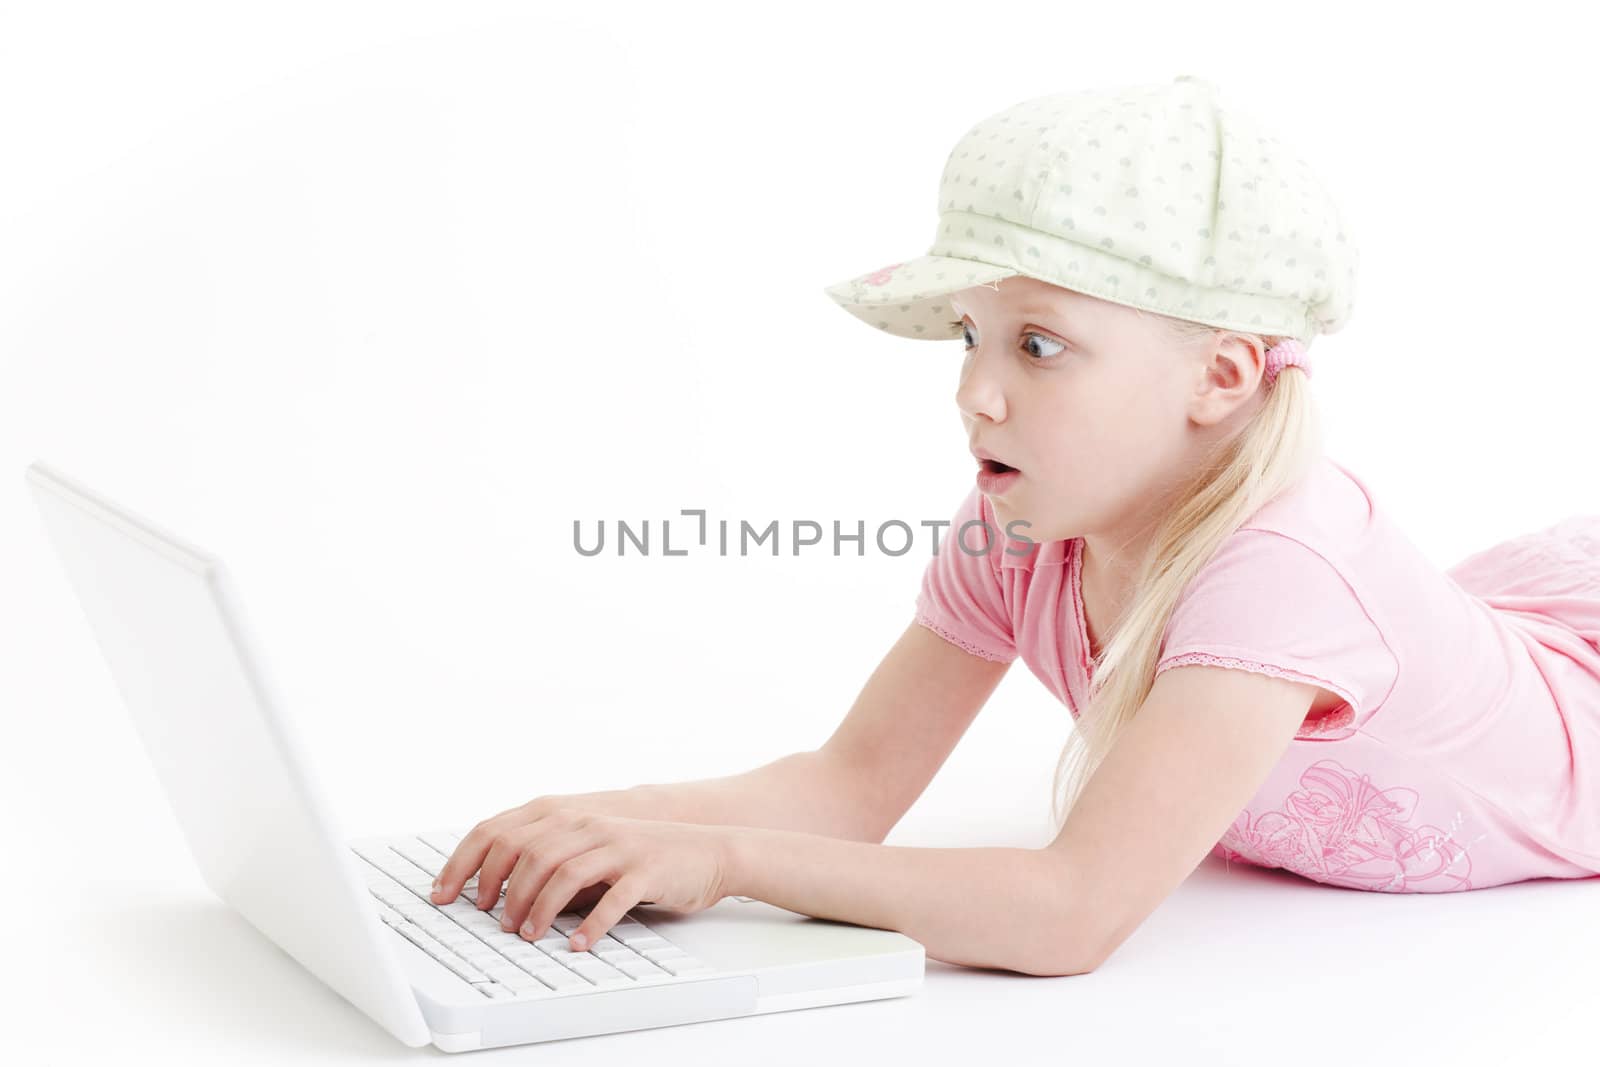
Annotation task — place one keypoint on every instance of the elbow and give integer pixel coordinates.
(1083, 938)
(1094, 948)
(1061, 968)
(1080, 950)
(1070, 955)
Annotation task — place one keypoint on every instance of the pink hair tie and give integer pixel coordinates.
(1287, 353)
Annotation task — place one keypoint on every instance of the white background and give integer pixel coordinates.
(375, 300)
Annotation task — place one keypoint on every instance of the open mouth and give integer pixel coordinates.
(994, 466)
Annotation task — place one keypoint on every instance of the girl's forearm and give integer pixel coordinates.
(1008, 908)
(808, 792)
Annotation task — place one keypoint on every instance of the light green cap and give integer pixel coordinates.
(1153, 196)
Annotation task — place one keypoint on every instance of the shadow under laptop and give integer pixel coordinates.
(214, 978)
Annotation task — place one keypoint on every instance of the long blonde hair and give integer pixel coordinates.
(1271, 453)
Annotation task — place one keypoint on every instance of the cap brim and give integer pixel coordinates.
(911, 299)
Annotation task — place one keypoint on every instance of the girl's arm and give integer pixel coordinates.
(907, 718)
(1202, 743)
(903, 725)
(906, 721)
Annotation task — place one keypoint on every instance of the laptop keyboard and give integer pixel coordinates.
(501, 965)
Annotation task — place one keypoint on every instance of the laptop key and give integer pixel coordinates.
(640, 969)
(566, 922)
(594, 969)
(442, 842)
(629, 930)
(552, 975)
(476, 920)
(493, 989)
(656, 955)
(685, 965)
(420, 854)
(501, 941)
(563, 980)
(537, 966)
(412, 908)
(391, 894)
(469, 918)
(388, 914)
(396, 866)
(651, 943)
(417, 936)
(529, 986)
(504, 973)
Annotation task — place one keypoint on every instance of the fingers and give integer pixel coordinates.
(588, 895)
(569, 877)
(470, 854)
(462, 863)
(584, 900)
(606, 914)
(533, 870)
(526, 878)
(497, 865)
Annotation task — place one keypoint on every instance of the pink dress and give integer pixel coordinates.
(1466, 752)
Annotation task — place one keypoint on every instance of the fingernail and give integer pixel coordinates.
(579, 942)
(527, 929)
(436, 887)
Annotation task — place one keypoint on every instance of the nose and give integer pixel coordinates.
(980, 391)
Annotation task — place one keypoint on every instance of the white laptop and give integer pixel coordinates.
(355, 913)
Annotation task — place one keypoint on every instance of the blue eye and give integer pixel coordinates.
(961, 325)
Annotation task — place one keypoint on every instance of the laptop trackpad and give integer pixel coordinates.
(751, 935)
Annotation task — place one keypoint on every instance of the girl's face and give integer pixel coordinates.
(1102, 411)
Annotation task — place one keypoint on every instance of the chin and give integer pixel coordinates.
(1038, 529)
(1005, 513)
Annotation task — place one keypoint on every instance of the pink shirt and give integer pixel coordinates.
(1467, 752)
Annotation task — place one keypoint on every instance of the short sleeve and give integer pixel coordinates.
(961, 597)
(1268, 603)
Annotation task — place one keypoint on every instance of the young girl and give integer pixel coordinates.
(1257, 661)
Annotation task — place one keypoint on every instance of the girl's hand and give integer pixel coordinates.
(545, 865)
(478, 844)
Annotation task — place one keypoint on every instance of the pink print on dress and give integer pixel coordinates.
(1342, 830)
(881, 276)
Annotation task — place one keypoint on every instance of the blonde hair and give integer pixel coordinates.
(1271, 453)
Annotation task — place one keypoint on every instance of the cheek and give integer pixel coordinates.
(1081, 442)
(1098, 459)
(1124, 433)
(1095, 451)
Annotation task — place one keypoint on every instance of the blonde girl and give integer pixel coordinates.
(1258, 663)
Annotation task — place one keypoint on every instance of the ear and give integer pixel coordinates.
(1231, 366)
